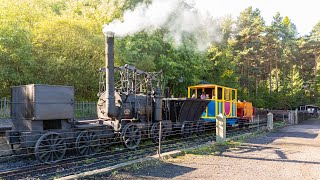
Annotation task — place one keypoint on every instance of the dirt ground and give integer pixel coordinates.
(290, 153)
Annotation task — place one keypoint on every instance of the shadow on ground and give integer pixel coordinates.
(165, 170)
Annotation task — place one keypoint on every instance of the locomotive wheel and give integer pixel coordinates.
(50, 148)
(155, 132)
(186, 129)
(131, 136)
(87, 143)
(200, 128)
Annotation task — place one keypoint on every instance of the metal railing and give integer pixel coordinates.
(85, 110)
(4, 108)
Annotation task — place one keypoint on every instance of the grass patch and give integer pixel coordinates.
(89, 161)
(213, 149)
(279, 124)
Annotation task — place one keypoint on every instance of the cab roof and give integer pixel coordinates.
(207, 86)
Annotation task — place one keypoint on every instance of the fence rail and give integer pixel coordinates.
(4, 108)
(82, 109)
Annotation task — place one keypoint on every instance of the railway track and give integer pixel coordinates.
(73, 165)
(78, 164)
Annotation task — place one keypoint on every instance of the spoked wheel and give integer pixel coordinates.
(155, 129)
(131, 136)
(200, 128)
(50, 148)
(87, 143)
(186, 129)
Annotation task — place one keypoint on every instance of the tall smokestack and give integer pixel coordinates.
(110, 99)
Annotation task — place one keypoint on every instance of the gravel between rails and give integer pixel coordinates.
(292, 152)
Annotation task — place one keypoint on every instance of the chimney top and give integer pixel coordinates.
(109, 34)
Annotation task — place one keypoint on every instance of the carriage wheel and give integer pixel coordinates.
(87, 143)
(50, 148)
(155, 128)
(131, 136)
(186, 129)
(200, 128)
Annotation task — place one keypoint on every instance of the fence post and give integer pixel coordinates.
(258, 122)
(296, 117)
(5, 107)
(221, 128)
(270, 121)
(289, 118)
(160, 134)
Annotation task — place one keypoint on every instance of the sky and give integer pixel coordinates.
(304, 14)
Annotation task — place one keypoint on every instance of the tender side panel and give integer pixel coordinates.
(192, 109)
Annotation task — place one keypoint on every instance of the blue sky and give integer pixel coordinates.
(304, 14)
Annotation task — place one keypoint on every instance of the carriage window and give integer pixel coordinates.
(233, 94)
(219, 93)
(213, 93)
(208, 93)
(199, 92)
(227, 94)
(193, 93)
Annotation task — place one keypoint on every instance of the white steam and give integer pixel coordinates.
(179, 17)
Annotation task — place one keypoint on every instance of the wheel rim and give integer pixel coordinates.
(155, 132)
(131, 136)
(50, 148)
(87, 143)
(186, 129)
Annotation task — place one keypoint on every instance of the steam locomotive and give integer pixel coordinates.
(44, 123)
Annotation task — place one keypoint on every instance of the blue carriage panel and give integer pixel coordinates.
(209, 119)
(220, 107)
(212, 109)
(234, 110)
(204, 114)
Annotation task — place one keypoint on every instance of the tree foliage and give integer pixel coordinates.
(61, 42)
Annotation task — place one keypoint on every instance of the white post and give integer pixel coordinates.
(221, 128)
(270, 121)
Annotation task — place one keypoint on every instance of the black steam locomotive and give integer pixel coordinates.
(133, 108)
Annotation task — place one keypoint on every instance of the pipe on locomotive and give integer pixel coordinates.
(110, 98)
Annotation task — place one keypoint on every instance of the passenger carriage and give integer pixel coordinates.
(222, 100)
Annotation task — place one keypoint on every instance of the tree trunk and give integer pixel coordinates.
(277, 76)
(270, 78)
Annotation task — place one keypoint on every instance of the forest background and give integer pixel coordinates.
(61, 42)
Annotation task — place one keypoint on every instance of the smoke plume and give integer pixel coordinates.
(179, 17)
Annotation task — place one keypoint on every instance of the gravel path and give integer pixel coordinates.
(291, 153)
